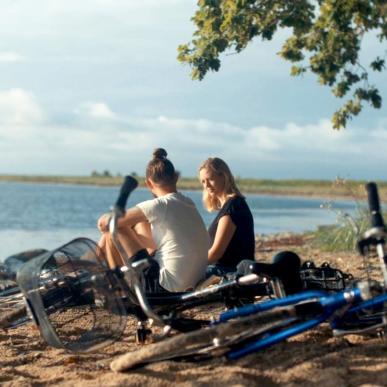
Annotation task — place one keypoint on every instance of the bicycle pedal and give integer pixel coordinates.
(142, 335)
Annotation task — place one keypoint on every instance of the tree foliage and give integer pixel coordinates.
(325, 39)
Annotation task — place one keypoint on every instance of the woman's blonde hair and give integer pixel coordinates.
(161, 170)
(220, 168)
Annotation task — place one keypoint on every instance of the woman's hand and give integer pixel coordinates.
(103, 222)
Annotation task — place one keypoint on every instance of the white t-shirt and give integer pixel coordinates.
(181, 238)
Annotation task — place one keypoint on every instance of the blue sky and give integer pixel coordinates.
(95, 84)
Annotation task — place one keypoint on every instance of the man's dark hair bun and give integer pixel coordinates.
(161, 170)
(160, 153)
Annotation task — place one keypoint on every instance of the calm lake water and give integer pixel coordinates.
(46, 216)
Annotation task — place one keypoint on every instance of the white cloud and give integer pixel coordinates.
(19, 108)
(98, 138)
(293, 137)
(10, 57)
(96, 110)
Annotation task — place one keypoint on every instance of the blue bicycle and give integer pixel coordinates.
(241, 331)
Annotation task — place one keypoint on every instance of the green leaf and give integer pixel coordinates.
(297, 70)
(378, 64)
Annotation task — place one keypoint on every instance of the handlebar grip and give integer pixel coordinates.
(129, 185)
(374, 205)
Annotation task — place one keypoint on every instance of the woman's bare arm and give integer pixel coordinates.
(224, 232)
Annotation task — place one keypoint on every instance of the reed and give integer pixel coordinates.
(343, 235)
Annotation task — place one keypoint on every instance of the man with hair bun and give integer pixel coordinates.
(169, 227)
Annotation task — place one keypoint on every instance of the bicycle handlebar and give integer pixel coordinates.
(129, 185)
(374, 205)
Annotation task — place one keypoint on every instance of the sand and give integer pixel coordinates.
(314, 358)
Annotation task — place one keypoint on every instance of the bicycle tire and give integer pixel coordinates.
(204, 343)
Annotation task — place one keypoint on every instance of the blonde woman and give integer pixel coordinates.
(232, 231)
(169, 225)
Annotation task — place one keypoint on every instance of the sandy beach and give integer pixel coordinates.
(310, 359)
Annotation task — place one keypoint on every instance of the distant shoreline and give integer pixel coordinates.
(350, 189)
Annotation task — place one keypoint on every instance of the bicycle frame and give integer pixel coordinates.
(309, 302)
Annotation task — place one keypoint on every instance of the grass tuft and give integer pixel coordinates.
(343, 235)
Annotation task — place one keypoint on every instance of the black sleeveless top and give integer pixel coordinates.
(242, 244)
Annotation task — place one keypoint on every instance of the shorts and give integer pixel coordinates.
(151, 275)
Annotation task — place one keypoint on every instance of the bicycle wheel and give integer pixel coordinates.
(208, 342)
